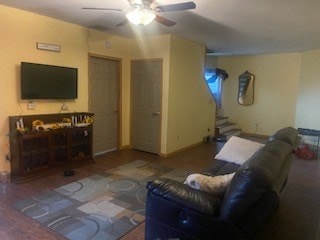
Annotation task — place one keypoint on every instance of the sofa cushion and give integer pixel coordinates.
(238, 150)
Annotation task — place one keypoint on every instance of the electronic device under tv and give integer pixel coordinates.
(40, 81)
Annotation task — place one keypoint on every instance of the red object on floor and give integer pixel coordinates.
(304, 152)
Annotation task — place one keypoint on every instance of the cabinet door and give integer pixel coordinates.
(35, 152)
(81, 143)
(59, 145)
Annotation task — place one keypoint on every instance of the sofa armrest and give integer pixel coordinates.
(288, 135)
(183, 195)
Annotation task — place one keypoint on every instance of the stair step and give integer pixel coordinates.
(221, 120)
(225, 127)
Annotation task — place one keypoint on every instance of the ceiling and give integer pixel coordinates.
(226, 27)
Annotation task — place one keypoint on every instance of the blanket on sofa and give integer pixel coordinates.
(211, 184)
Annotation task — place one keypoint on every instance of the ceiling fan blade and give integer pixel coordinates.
(122, 23)
(177, 7)
(165, 21)
(103, 9)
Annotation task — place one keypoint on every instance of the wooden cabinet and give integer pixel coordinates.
(39, 153)
(80, 144)
(33, 152)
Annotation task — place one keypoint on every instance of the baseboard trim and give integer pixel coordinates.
(125, 147)
(166, 155)
(254, 135)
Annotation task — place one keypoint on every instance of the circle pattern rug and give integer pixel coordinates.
(99, 207)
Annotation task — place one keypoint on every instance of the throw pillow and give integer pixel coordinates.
(212, 184)
(238, 150)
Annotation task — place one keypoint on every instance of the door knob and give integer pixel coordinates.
(156, 113)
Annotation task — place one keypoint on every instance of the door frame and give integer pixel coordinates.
(119, 93)
(131, 96)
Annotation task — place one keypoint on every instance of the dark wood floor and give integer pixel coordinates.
(296, 219)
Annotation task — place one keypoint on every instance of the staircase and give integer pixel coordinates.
(225, 129)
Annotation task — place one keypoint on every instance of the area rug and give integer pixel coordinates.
(98, 207)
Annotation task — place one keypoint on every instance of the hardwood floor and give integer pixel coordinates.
(297, 218)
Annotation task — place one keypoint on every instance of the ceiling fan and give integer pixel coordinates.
(143, 12)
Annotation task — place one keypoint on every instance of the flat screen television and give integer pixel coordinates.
(40, 81)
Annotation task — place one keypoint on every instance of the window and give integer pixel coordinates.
(214, 78)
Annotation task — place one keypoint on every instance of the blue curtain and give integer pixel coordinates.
(214, 78)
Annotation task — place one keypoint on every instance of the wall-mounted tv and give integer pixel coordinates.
(40, 81)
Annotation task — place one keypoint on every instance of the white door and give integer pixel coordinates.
(146, 108)
(104, 87)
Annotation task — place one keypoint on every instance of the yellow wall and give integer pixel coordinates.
(276, 88)
(191, 110)
(211, 61)
(187, 108)
(20, 31)
(308, 113)
(286, 85)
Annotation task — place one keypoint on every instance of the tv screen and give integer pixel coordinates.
(40, 81)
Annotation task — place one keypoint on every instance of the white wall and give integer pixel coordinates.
(308, 104)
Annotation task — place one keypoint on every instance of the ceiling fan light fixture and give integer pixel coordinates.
(140, 15)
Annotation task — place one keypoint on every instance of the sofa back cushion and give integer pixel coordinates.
(264, 171)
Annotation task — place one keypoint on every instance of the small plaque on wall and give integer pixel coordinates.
(49, 47)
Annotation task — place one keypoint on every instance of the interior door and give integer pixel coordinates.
(146, 108)
(104, 88)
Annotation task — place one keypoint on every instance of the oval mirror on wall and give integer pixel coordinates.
(246, 89)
